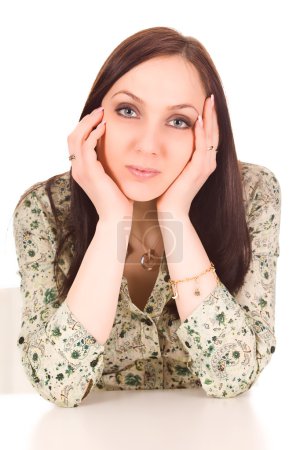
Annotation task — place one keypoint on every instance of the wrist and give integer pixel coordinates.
(168, 214)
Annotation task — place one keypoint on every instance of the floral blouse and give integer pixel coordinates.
(221, 347)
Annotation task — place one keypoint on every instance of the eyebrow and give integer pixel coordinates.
(139, 100)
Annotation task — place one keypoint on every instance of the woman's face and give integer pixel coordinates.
(153, 132)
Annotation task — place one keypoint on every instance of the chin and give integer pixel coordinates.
(140, 197)
(140, 194)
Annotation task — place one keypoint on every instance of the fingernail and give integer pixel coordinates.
(212, 98)
(200, 120)
(100, 109)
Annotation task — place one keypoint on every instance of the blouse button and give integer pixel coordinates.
(147, 321)
(272, 349)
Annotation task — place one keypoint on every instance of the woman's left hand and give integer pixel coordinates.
(180, 194)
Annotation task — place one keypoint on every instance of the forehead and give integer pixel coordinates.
(171, 79)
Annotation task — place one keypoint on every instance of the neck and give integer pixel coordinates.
(143, 210)
(145, 227)
(144, 216)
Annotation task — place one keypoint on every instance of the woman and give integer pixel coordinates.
(157, 278)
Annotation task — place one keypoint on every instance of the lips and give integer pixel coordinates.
(142, 174)
(144, 169)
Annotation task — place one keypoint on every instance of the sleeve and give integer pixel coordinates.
(61, 359)
(230, 339)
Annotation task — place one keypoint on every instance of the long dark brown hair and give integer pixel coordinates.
(217, 211)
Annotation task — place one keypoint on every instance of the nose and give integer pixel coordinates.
(149, 140)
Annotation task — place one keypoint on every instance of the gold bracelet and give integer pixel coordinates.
(196, 291)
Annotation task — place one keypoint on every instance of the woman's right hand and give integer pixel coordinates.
(88, 172)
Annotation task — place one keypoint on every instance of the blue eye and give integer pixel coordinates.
(178, 119)
(125, 107)
(183, 121)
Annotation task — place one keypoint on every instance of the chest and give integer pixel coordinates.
(140, 283)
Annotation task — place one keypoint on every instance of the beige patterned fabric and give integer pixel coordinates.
(221, 347)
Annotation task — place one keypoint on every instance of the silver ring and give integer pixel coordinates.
(71, 157)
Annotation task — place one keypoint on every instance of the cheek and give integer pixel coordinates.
(182, 151)
(108, 145)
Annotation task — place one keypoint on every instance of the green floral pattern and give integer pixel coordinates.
(221, 347)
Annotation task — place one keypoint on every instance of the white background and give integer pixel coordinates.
(51, 53)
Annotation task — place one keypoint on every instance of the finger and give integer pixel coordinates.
(95, 118)
(212, 127)
(207, 119)
(86, 126)
(88, 155)
(215, 141)
(212, 140)
(95, 135)
(203, 157)
(199, 135)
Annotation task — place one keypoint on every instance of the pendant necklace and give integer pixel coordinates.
(149, 259)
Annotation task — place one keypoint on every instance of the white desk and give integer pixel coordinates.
(261, 419)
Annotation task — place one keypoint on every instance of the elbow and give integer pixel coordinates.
(58, 399)
(64, 396)
(228, 390)
(233, 386)
(57, 392)
(231, 378)
(55, 377)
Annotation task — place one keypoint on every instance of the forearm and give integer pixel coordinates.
(194, 261)
(209, 346)
(94, 294)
